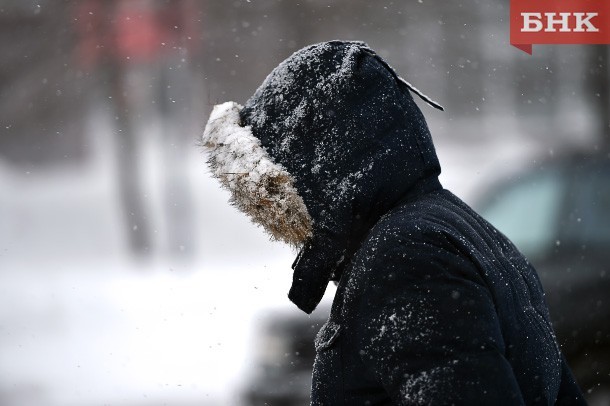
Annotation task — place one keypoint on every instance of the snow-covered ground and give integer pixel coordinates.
(108, 333)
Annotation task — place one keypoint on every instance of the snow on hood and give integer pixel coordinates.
(261, 188)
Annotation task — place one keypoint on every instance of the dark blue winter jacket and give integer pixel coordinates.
(434, 306)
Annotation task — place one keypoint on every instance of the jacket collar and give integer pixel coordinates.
(327, 255)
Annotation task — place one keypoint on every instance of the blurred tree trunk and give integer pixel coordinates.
(130, 187)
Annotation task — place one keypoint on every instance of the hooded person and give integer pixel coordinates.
(433, 304)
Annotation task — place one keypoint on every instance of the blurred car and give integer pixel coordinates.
(282, 374)
(558, 215)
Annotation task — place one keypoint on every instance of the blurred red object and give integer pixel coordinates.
(127, 31)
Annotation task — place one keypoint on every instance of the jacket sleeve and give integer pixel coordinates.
(430, 333)
(569, 392)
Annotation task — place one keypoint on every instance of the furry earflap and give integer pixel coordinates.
(260, 187)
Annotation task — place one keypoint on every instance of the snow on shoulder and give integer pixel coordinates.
(261, 188)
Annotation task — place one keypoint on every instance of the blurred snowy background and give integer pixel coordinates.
(125, 277)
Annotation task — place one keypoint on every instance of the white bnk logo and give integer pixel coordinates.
(533, 22)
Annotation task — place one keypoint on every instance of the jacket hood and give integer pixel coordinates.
(341, 128)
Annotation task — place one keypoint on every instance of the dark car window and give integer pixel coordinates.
(589, 219)
(526, 211)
